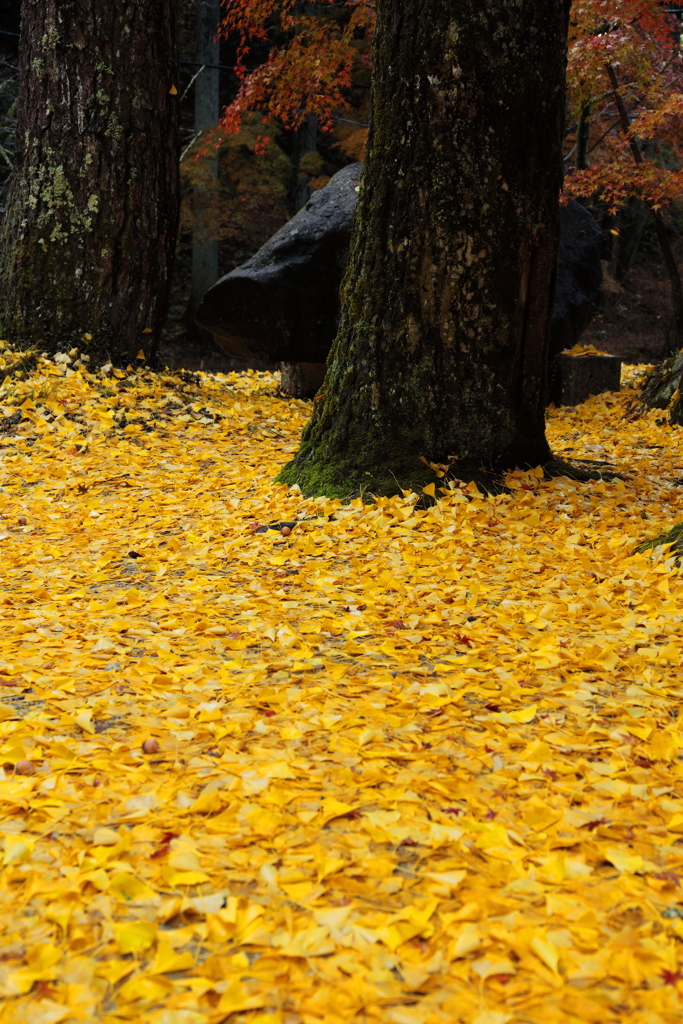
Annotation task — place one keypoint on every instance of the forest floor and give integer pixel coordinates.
(405, 765)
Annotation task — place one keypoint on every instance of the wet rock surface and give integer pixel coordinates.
(283, 304)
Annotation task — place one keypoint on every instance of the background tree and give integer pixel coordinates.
(89, 233)
(309, 69)
(302, 66)
(206, 114)
(448, 296)
(625, 82)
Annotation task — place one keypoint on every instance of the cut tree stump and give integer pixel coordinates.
(301, 380)
(573, 379)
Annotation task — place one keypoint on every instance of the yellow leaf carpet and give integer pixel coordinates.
(404, 765)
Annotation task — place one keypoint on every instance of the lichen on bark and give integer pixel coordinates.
(448, 296)
(88, 239)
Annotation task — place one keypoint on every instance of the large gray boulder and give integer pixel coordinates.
(283, 304)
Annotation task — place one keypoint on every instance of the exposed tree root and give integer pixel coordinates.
(491, 483)
(581, 470)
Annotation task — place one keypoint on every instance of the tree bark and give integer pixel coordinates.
(582, 136)
(206, 114)
(92, 214)
(448, 297)
(305, 141)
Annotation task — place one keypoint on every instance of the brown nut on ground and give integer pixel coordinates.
(285, 531)
(150, 746)
(24, 767)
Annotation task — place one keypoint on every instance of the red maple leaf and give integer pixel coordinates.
(164, 846)
(591, 825)
(669, 875)
(671, 977)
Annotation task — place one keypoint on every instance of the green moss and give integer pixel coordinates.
(50, 326)
(338, 478)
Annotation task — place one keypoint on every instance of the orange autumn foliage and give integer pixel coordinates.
(314, 48)
(640, 41)
(310, 64)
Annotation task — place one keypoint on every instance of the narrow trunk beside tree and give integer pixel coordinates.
(206, 113)
(582, 136)
(305, 141)
(447, 302)
(92, 215)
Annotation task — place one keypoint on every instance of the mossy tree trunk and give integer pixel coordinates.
(89, 235)
(448, 297)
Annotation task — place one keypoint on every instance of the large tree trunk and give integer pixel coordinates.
(448, 297)
(89, 234)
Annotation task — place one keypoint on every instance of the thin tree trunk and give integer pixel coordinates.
(582, 136)
(305, 141)
(447, 302)
(89, 235)
(660, 229)
(206, 113)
